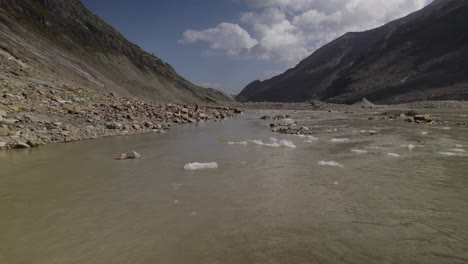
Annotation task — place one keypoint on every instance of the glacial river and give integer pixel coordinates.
(398, 196)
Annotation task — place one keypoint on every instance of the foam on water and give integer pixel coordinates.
(238, 143)
(359, 151)
(200, 166)
(330, 163)
(368, 131)
(393, 155)
(338, 140)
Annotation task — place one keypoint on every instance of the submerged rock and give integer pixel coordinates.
(130, 155)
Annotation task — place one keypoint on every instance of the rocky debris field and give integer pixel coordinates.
(35, 112)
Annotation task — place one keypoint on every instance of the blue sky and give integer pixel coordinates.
(226, 44)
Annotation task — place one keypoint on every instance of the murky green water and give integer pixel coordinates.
(72, 203)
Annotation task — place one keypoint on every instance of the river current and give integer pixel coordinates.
(357, 191)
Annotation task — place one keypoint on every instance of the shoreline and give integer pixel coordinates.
(39, 114)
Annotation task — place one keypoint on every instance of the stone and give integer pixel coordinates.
(266, 118)
(3, 145)
(21, 145)
(8, 121)
(113, 125)
(423, 118)
(410, 119)
(130, 155)
(55, 98)
(237, 111)
(33, 143)
(184, 110)
(4, 131)
(3, 113)
(148, 125)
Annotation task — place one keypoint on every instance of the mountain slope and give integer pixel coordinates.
(63, 42)
(422, 56)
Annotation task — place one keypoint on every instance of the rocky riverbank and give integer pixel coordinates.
(34, 112)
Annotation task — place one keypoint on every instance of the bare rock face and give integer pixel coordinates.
(401, 61)
(129, 155)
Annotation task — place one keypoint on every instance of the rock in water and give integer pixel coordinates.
(130, 155)
(423, 118)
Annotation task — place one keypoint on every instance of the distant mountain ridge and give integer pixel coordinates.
(423, 56)
(66, 42)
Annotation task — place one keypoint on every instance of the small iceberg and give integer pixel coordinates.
(448, 153)
(410, 146)
(330, 163)
(238, 143)
(359, 151)
(457, 150)
(338, 140)
(393, 155)
(200, 166)
(275, 143)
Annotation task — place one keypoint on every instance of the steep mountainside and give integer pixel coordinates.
(423, 56)
(62, 42)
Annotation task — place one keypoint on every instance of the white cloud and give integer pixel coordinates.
(287, 31)
(226, 36)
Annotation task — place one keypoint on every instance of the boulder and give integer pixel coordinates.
(3, 113)
(266, 118)
(34, 143)
(113, 125)
(2, 145)
(8, 121)
(21, 145)
(130, 155)
(423, 118)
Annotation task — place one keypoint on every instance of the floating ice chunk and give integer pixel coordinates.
(274, 139)
(200, 166)
(410, 146)
(312, 138)
(446, 128)
(330, 163)
(275, 143)
(238, 143)
(332, 130)
(393, 155)
(448, 153)
(457, 150)
(424, 133)
(300, 135)
(359, 151)
(337, 140)
(463, 115)
(458, 145)
(336, 183)
(368, 131)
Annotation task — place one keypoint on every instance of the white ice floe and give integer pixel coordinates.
(368, 131)
(457, 150)
(359, 151)
(337, 140)
(300, 135)
(200, 166)
(332, 130)
(424, 133)
(311, 139)
(448, 153)
(463, 115)
(330, 163)
(393, 155)
(458, 145)
(446, 128)
(410, 146)
(275, 143)
(238, 143)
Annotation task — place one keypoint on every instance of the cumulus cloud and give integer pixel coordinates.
(287, 31)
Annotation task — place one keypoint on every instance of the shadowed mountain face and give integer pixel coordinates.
(66, 43)
(423, 56)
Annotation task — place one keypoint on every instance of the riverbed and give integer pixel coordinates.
(356, 191)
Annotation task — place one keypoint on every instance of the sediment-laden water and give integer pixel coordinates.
(339, 196)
